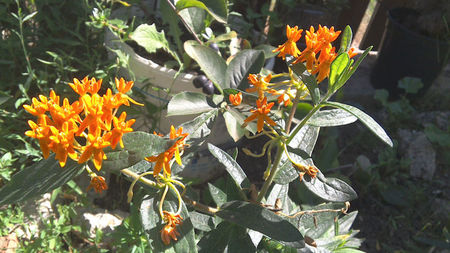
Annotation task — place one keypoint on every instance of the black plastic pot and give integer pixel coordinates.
(404, 52)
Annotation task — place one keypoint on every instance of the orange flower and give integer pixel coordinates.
(169, 232)
(260, 114)
(327, 56)
(290, 46)
(123, 87)
(37, 108)
(170, 229)
(163, 160)
(63, 141)
(86, 86)
(42, 133)
(351, 53)
(98, 184)
(120, 127)
(94, 148)
(180, 143)
(259, 83)
(235, 99)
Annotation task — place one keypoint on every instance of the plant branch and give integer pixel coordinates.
(142, 179)
(200, 207)
(292, 112)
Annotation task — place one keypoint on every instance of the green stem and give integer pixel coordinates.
(22, 42)
(273, 171)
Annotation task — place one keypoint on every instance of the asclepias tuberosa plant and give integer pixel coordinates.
(90, 134)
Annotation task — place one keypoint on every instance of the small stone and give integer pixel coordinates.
(102, 219)
(416, 147)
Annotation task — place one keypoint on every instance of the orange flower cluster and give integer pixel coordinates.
(170, 229)
(318, 54)
(163, 160)
(91, 117)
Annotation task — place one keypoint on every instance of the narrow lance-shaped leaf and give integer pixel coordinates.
(37, 179)
(365, 119)
(346, 40)
(331, 189)
(231, 166)
(227, 237)
(186, 103)
(262, 220)
(336, 69)
(333, 117)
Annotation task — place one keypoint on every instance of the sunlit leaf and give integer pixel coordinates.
(365, 119)
(37, 179)
(186, 103)
(330, 189)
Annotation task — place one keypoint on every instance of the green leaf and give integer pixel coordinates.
(365, 119)
(347, 250)
(216, 8)
(233, 126)
(169, 16)
(227, 237)
(152, 224)
(333, 117)
(37, 179)
(410, 84)
(355, 66)
(209, 61)
(244, 63)
(194, 18)
(330, 189)
(337, 67)
(231, 166)
(319, 225)
(308, 79)
(141, 144)
(304, 140)
(262, 220)
(217, 194)
(149, 38)
(137, 146)
(223, 37)
(186, 103)
(268, 50)
(346, 40)
(201, 221)
(200, 127)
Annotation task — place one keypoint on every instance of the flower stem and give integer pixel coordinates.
(273, 171)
